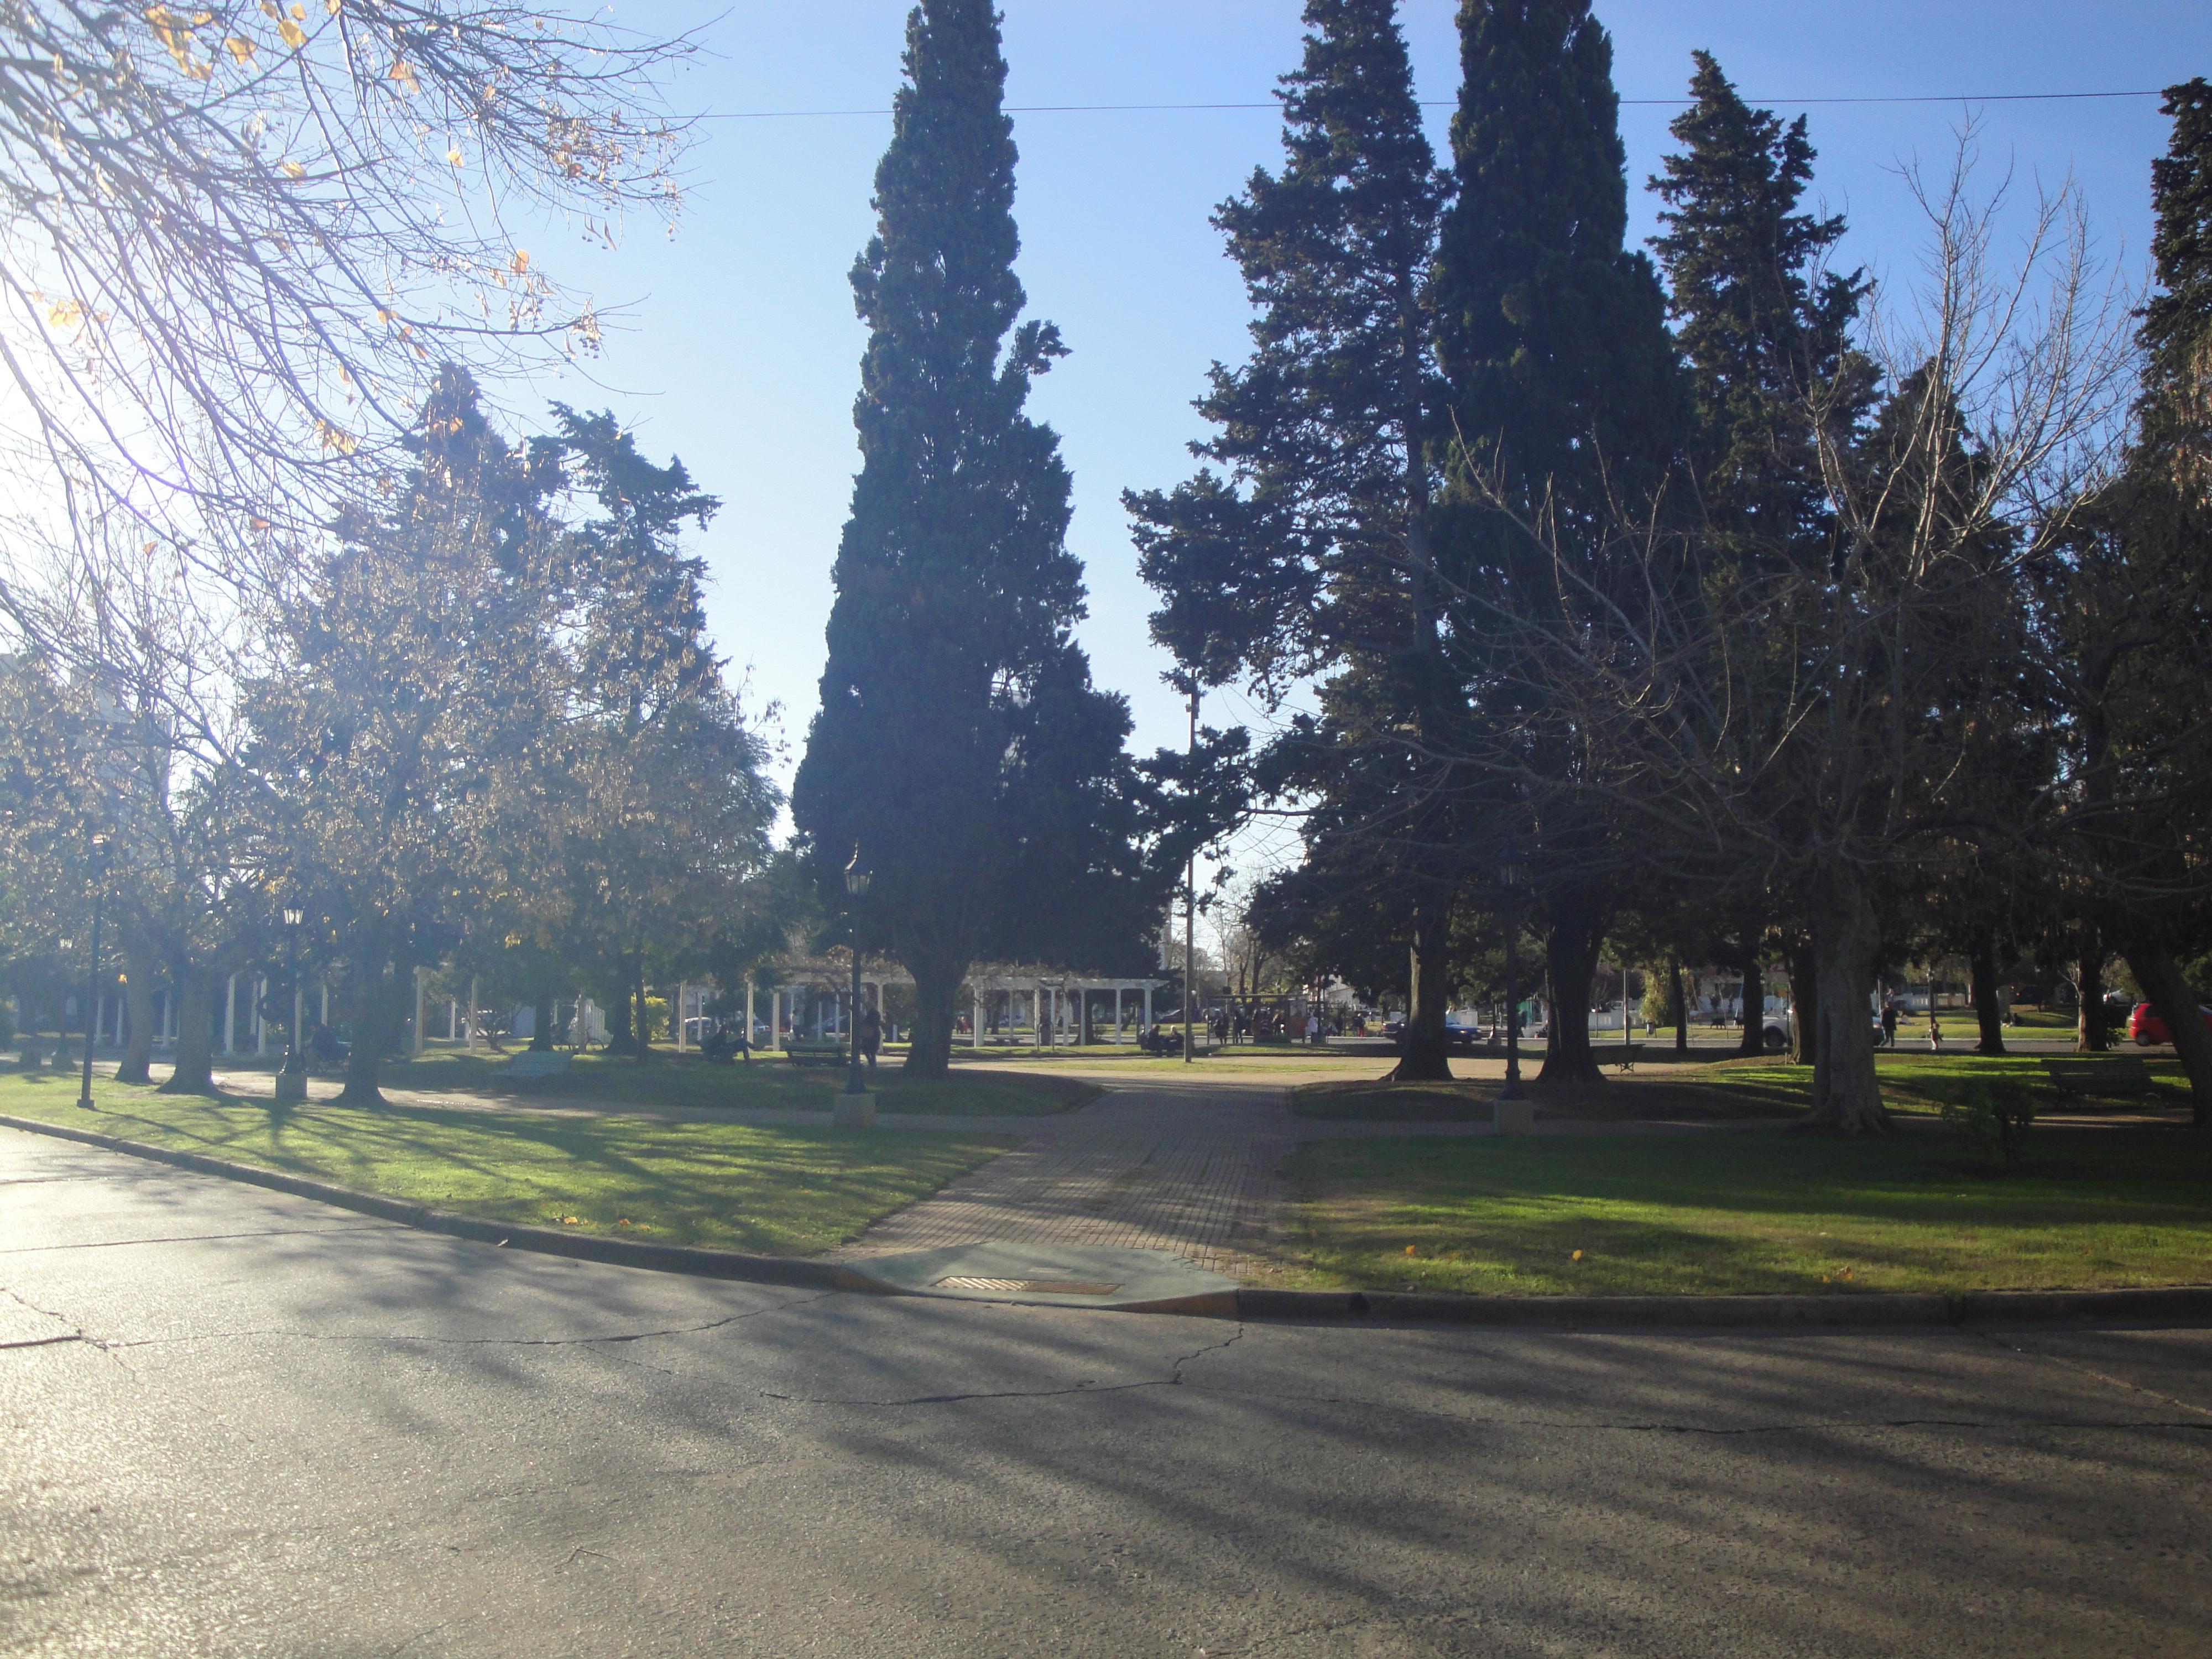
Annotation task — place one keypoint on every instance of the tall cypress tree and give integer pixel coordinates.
(958, 722)
(2138, 592)
(1311, 555)
(1565, 406)
(1763, 329)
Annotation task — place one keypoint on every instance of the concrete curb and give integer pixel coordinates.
(2175, 1303)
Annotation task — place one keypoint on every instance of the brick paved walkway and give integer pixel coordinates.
(1195, 1172)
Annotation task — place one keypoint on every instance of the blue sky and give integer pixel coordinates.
(737, 350)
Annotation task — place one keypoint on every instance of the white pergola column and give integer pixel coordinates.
(775, 1019)
(452, 1019)
(976, 1019)
(324, 1017)
(1117, 1014)
(230, 1015)
(749, 1011)
(683, 1008)
(165, 1019)
(476, 1002)
(1148, 1007)
(415, 1045)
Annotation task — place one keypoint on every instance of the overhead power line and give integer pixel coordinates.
(1435, 103)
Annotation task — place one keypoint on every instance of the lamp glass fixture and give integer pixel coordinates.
(1511, 871)
(857, 875)
(292, 918)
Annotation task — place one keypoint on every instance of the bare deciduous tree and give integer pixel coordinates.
(1886, 676)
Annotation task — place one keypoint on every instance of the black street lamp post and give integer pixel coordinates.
(292, 1075)
(857, 876)
(1511, 875)
(91, 969)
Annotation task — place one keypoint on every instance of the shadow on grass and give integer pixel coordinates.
(776, 1190)
(1752, 1212)
(764, 1084)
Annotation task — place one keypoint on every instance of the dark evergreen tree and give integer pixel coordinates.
(960, 743)
(1566, 417)
(2128, 614)
(1763, 327)
(1312, 555)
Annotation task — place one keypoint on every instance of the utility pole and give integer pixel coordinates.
(1190, 911)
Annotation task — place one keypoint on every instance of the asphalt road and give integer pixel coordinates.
(236, 1423)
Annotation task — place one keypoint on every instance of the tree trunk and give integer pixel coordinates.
(1680, 1004)
(619, 1034)
(1571, 952)
(1753, 1041)
(373, 998)
(1804, 1002)
(194, 1071)
(936, 1004)
(139, 1001)
(1424, 1052)
(1847, 939)
(2090, 1034)
(1982, 991)
(643, 1024)
(2174, 1000)
(541, 1024)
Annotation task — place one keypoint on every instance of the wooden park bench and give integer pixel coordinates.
(1623, 1053)
(809, 1051)
(2101, 1075)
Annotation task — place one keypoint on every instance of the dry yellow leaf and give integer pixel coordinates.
(454, 156)
(294, 170)
(404, 72)
(521, 260)
(241, 50)
(1578, 1256)
(65, 314)
(294, 36)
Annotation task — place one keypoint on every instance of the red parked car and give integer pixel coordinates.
(2146, 1027)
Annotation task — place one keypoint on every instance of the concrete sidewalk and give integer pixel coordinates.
(1192, 1170)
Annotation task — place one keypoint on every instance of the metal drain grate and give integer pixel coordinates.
(1034, 1286)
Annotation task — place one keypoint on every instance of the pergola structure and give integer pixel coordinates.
(1049, 1007)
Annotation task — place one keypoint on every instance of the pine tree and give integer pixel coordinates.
(1566, 411)
(1763, 329)
(2133, 612)
(958, 715)
(1312, 555)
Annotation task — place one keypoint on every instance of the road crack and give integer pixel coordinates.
(2120, 1382)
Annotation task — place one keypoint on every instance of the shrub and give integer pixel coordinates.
(1992, 1119)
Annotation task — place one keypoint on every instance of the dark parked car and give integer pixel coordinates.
(2145, 1027)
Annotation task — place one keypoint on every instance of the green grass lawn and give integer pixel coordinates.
(1752, 1209)
(671, 1080)
(1912, 1084)
(778, 1191)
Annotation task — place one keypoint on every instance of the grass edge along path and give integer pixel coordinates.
(1749, 1211)
(689, 1082)
(770, 1191)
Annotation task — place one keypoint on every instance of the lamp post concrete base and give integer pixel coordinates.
(1513, 1117)
(291, 1088)
(856, 1110)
